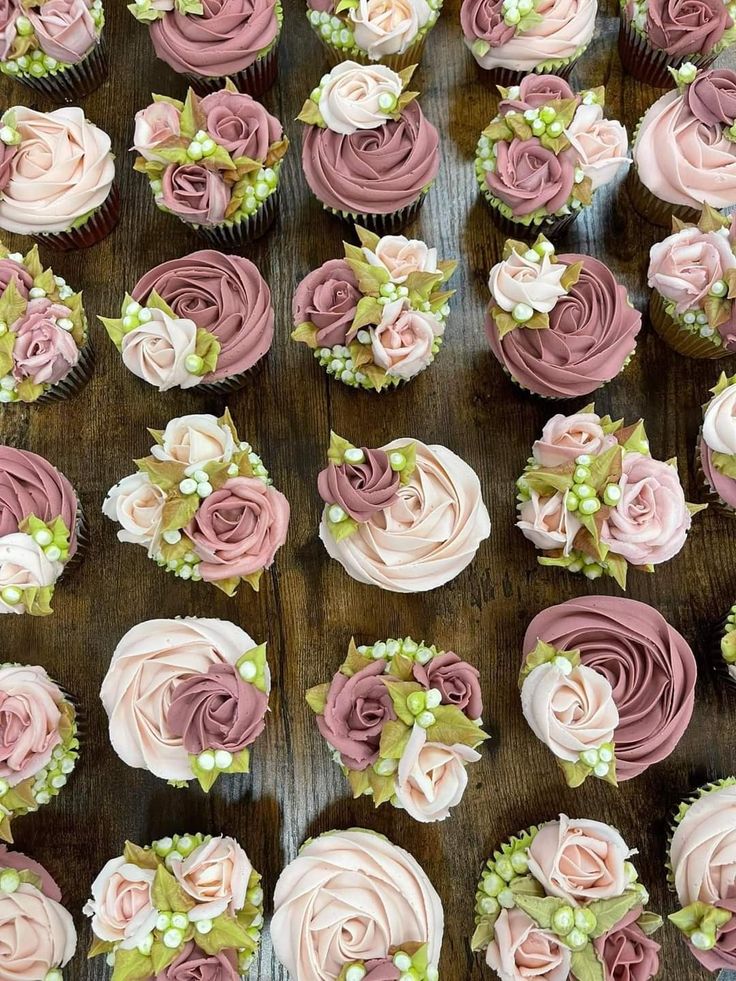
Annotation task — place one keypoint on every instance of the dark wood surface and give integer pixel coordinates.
(308, 607)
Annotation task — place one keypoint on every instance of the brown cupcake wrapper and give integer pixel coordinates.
(654, 209)
(554, 225)
(254, 80)
(76, 379)
(412, 55)
(75, 82)
(232, 236)
(234, 382)
(82, 542)
(98, 226)
(383, 224)
(508, 77)
(649, 64)
(682, 341)
(708, 492)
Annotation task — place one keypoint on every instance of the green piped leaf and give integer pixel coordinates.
(317, 698)
(617, 567)
(453, 726)
(131, 965)
(12, 303)
(649, 922)
(192, 118)
(166, 474)
(725, 463)
(168, 894)
(29, 391)
(586, 966)
(7, 343)
(609, 912)
(306, 333)
(394, 737)
(178, 511)
(544, 653)
(336, 450)
(207, 347)
(355, 661)
(540, 909)
(144, 858)
(368, 239)
(156, 302)
(226, 932)
(258, 657)
(399, 692)
(341, 530)
(368, 313)
(311, 115)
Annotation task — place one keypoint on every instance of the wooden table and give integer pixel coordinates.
(308, 607)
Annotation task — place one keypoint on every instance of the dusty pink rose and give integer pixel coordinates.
(601, 144)
(520, 950)
(483, 20)
(536, 91)
(711, 97)
(64, 28)
(240, 124)
(360, 489)
(682, 27)
(10, 269)
(7, 155)
(566, 437)
(402, 342)
(323, 6)
(684, 267)
(195, 194)
(121, 907)
(43, 352)
(356, 711)
(192, 964)
(155, 126)
(9, 14)
(626, 952)
(457, 681)
(29, 721)
(216, 876)
(529, 177)
(328, 298)
(432, 778)
(547, 523)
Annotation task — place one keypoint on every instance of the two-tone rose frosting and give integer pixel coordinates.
(202, 504)
(403, 721)
(49, 37)
(406, 517)
(560, 325)
(187, 907)
(565, 898)
(352, 899)
(373, 30)
(717, 444)
(377, 317)
(682, 28)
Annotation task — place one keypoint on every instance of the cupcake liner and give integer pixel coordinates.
(254, 80)
(412, 55)
(648, 64)
(76, 81)
(247, 229)
(76, 379)
(683, 341)
(385, 224)
(508, 77)
(98, 226)
(654, 209)
(82, 541)
(233, 383)
(555, 225)
(708, 492)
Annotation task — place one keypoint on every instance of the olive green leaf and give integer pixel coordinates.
(609, 912)
(7, 342)
(586, 966)
(649, 922)
(355, 661)
(543, 653)
(452, 726)
(306, 333)
(336, 451)
(167, 894)
(131, 965)
(311, 115)
(399, 692)
(317, 697)
(368, 239)
(193, 119)
(368, 313)
(207, 347)
(12, 303)
(144, 858)
(226, 932)
(394, 737)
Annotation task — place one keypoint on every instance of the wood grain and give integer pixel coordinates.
(308, 608)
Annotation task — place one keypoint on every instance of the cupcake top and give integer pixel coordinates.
(728, 643)
(560, 325)
(43, 327)
(373, 29)
(210, 159)
(211, 38)
(403, 721)
(608, 685)
(377, 317)
(37, 935)
(718, 440)
(56, 168)
(703, 873)
(368, 148)
(565, 897)
(548, 149)
(186, 698)
(47, 38)
(527, 35)
(406, 517)
(197, 879)
(352, 898)
(695, 121)
(682, 29)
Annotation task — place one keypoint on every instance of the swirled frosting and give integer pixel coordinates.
(649, 665)
(223, 294)
(372, 171)
(30, 485)
(719, 436)
(703, 849)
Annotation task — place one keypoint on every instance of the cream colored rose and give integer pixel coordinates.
(216, 876)
(24, 564)
(521, 280)
(402, 343)
(121, 907)
(432, 777)
(195, 440)
(386, 27)
(521, 950)
(137, 504)
(400, 256)
(719, 423)
(547, 523)
(357, 96)
(157, 351)
(601, 144)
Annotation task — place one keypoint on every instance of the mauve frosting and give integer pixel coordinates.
(192, 964)
(382, 970)
(20, 862)
(712, 96)
(356, 710)
(372, 171)
(10, 269)
(64, 28)
(224, 294)
(243, 126)
(328, 297)
(703, 849)
(682, 27)
(725, 487)
(649, 665)
(360, 489)
(529, 177)
(457, 682)
(723, 955)
(626, 952)
(30, 485)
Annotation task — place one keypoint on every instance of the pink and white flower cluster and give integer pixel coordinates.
(38, 39)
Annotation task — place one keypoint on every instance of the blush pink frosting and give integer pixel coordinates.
(37, 934)
(703, 849)
(43, 352)
(30, 485)
(29, 721)
(724, 486)
(20, 862)
(64, 28)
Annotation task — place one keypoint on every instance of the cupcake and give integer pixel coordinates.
(391, 32)
(694, 122)
(202, 504)
(405, 517)
(701, 868)
(186, 698)
(403, 721)
(544, 154)
(213, 162)
(727, 645)
(716, 451)
(369, 153)
(55, 47)
(692, 274)
(592, 499)
(209, 41)
(607, 685)
(353, 905)
(377, 317)
(188, 906)
(512, 38)
(564, 897)
(204, 320)
(56, 178)
(560, 325)
(38, 933)
(41, 531)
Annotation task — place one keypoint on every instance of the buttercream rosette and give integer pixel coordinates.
(187, 906)
(564, 897)
(546, 151)
(726, 646)
(607, 685)
(369, 154)
(352, 906)
(202, 504)
(716, 450)
(702, 872)
(406, 517)
(592, 499)
(403, 721)
(377, 317)
(186, 698)
(559, 325)
(41, 531)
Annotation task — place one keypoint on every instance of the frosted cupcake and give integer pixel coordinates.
(607, 685)
(38, 933)
(204, 320)
(405, 517)
(189, 906)
(369, 154)
(213, 162)
(56, 178)
(377, 317)
(702, 869)
(694, 122)
(403, 721)
(560, 325)
(564, 897)
(41, 531)
(391, 32)
(547, 150)
(716, 451)
(727, 645)
(186, 698)
(55, 47)
(593, 500)
(209, 41)
(512, 38)
(353, 905)
(202, 504)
